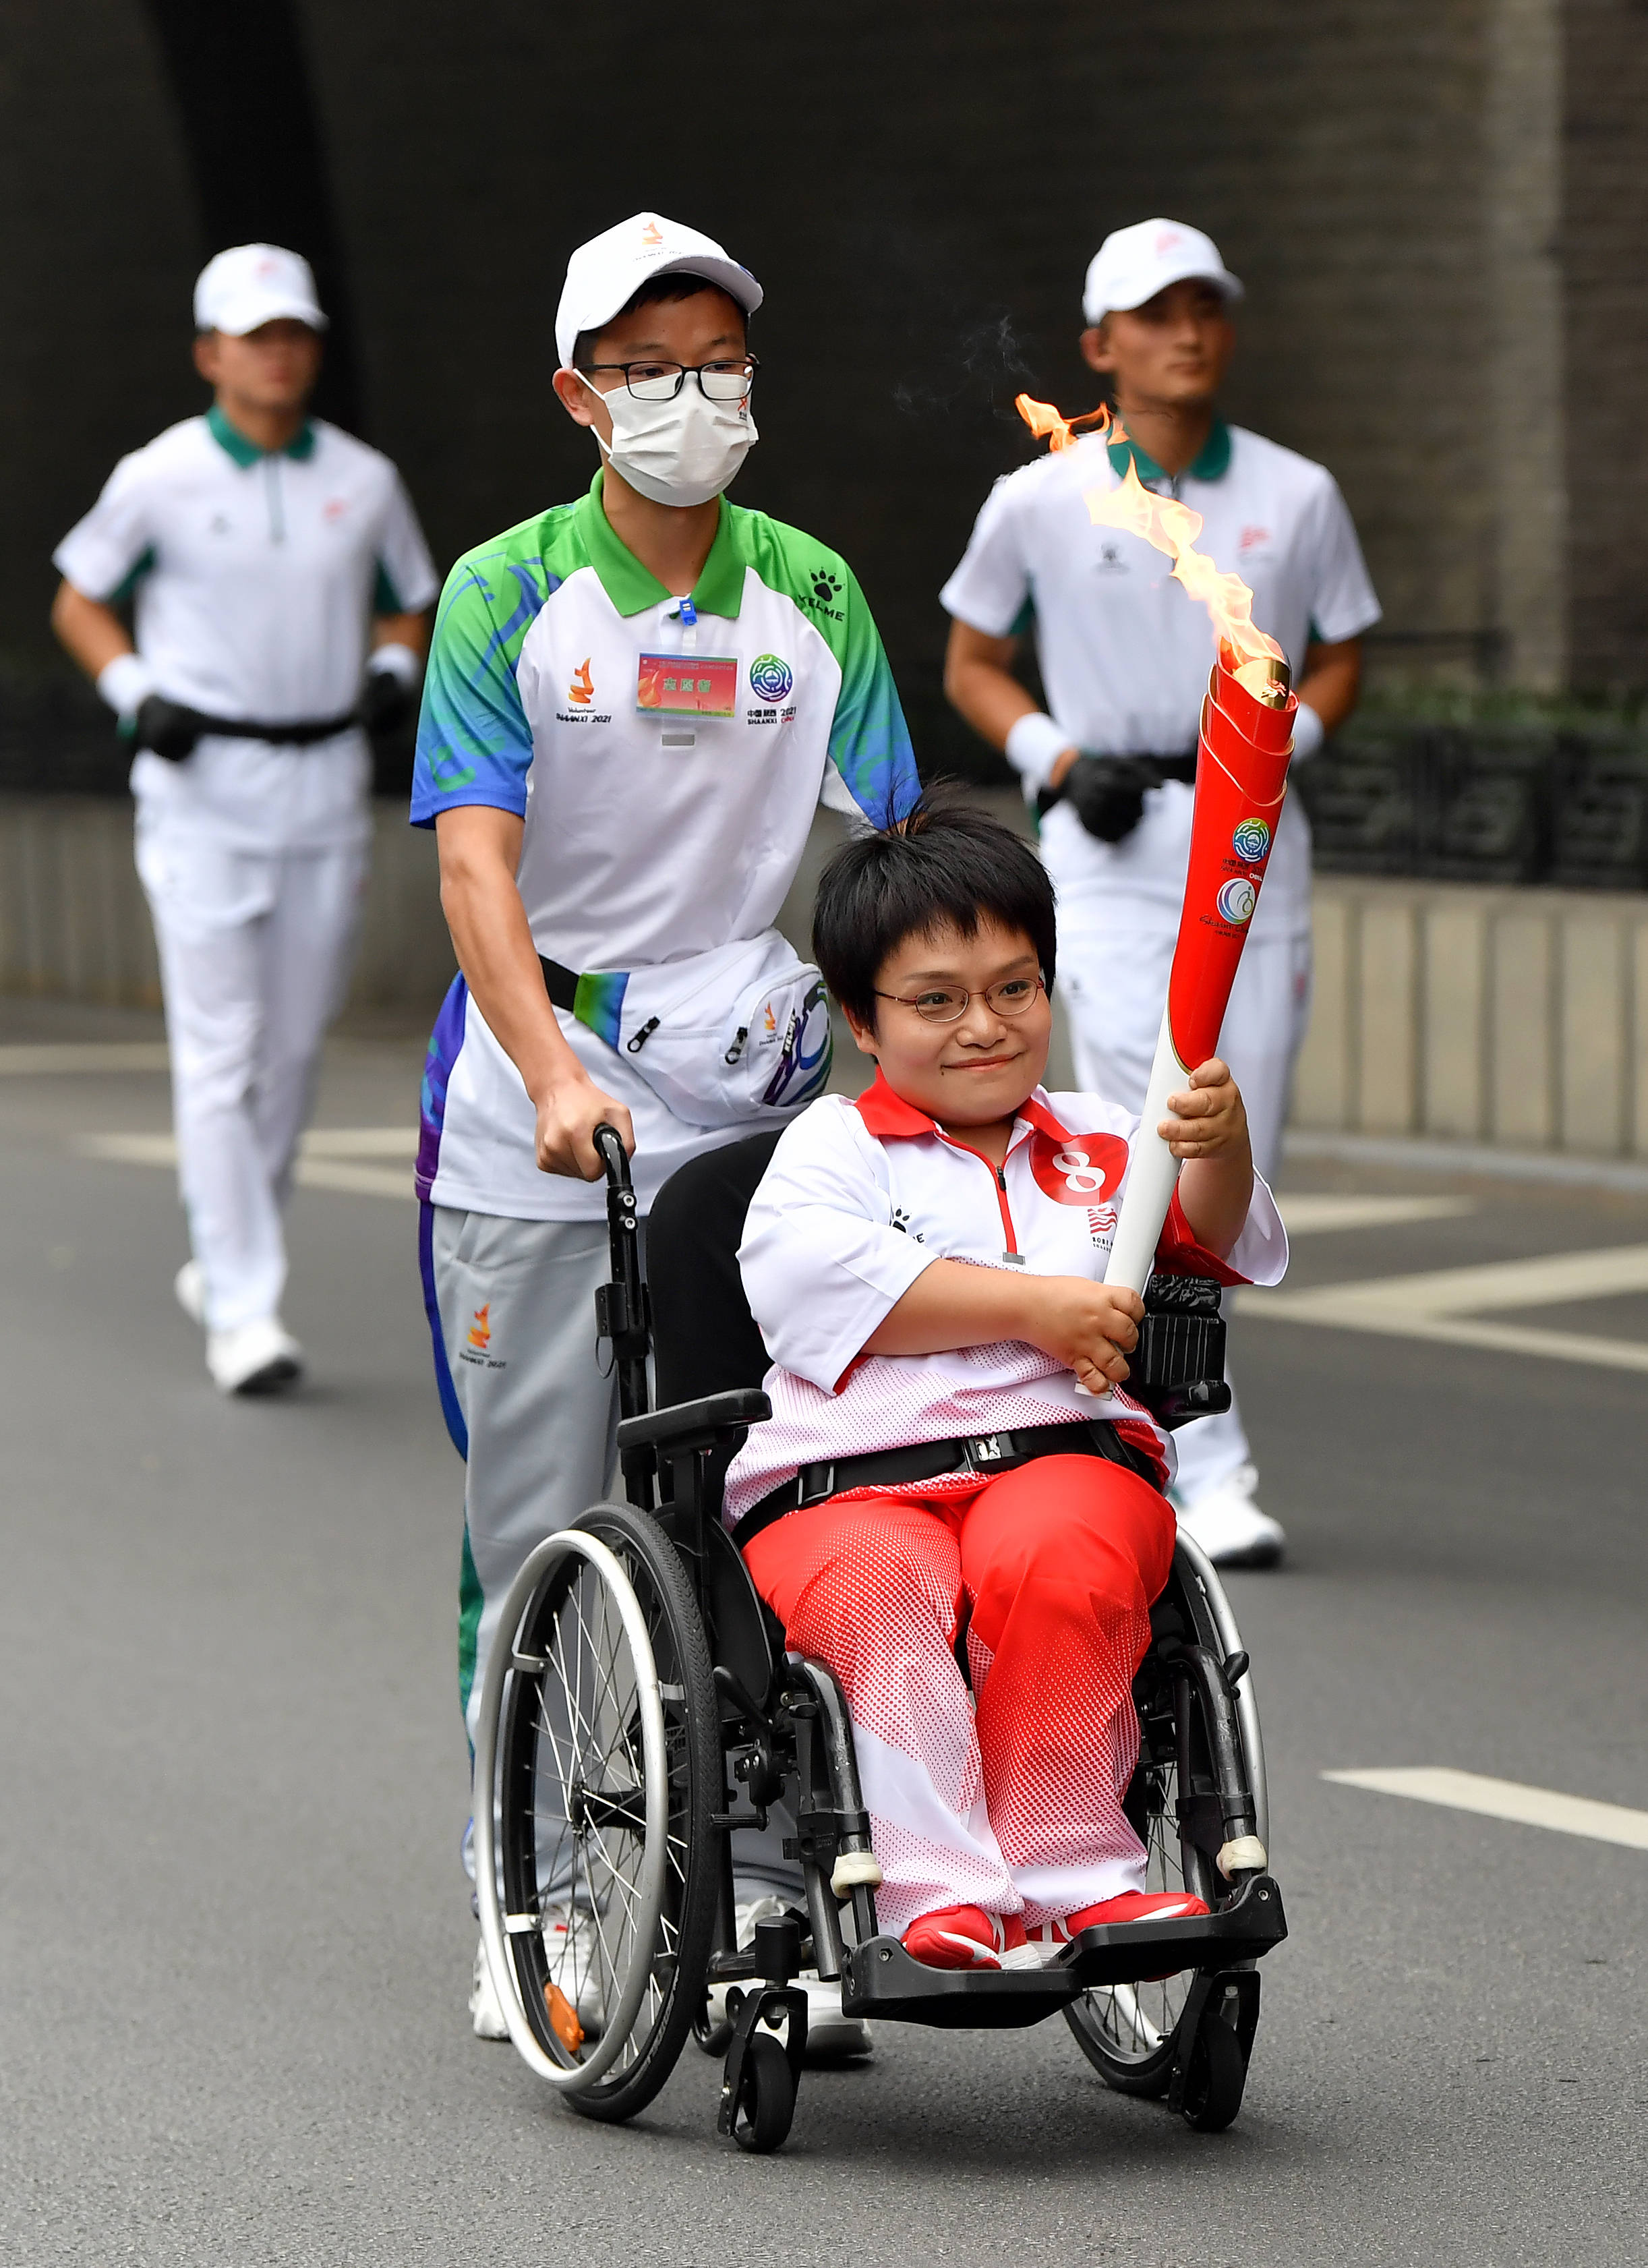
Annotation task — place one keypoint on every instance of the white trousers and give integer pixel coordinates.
(1113, 985)
(254, 956)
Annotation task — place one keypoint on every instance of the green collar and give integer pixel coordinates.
(1211, 464)
(632, 587)
(231, 438)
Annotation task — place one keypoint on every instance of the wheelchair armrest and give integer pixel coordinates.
(719, 1422)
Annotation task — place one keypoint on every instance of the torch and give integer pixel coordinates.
(1247, 738)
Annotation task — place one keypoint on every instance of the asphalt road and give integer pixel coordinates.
(236, 1942)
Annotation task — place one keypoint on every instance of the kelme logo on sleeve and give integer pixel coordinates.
(770, 678)
(823, 588)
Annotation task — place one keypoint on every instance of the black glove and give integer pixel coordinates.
(1109, 793)
(385, 702)
(167, 727)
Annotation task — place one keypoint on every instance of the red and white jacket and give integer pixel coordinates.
(860, 1196)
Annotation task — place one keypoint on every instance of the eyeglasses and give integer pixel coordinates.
(662, 381)
(945, 1004)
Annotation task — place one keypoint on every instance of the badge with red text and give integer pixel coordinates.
(687, 684)
(1080, 1169)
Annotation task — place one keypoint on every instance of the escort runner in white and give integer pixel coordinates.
(1123, 654)
(279, 582)
(634, 705)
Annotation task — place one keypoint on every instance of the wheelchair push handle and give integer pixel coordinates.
(610, 1150)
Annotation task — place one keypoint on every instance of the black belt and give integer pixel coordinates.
(1182, 769)
(300, 735)
(983, 1454)
(560, 983)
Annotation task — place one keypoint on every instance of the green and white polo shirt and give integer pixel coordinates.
(668, 769)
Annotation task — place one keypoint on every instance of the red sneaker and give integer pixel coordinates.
(1134, 1905)
(1048, 1937)
(966, 1937)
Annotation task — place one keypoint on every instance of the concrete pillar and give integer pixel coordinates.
(1527, 470)
(1593, 1035)
(1324, 1079)
(1388, 1080)
(1452, 990)
(1521, 1039)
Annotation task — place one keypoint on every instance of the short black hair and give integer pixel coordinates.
(677, 283)
(946, 864)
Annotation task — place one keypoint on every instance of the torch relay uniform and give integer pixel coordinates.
(653, 850)
(1006, 1796)
(1124, 654)
(255, 576)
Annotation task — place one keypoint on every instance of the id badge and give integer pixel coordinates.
(687, 684)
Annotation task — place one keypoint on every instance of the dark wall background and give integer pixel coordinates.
(919, 185)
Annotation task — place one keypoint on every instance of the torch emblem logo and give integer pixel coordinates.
(1236, 901)
(1251, 841)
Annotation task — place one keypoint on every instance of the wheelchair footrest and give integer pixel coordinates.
(1244, 1930)
(881, 1979)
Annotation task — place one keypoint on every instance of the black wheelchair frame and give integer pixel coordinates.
(783, 1734)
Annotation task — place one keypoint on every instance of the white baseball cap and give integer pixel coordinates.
(1134, 264)
(605, 274)
(253, 283)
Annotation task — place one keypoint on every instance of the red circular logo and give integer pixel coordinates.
(1083, 1169)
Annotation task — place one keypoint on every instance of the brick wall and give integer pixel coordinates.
(1605, 240)
(920, 185)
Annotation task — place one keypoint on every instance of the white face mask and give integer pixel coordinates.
(682, 452)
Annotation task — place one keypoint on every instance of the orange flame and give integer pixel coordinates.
(1172, 527)
(1042, 418)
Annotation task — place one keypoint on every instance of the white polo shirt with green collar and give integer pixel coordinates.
(254, 575)
(651, 835)
(1124, 650)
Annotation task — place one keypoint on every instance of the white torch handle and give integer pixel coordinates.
(1151, 1175)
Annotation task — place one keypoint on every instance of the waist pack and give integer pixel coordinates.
(723, 1038)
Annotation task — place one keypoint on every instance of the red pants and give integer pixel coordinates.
(1008, 1797)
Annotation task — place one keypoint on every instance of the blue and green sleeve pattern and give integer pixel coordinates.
(870, 741)
(474, 744)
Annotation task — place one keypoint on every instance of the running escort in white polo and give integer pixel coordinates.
(1124, 653)
(634, 706)
(278, 578)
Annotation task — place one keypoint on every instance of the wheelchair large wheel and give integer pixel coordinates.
(1127, 2032)
(599, 1738)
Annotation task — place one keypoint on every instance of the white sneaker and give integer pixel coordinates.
(254, 1358)
(486, 2011)
(831, 2037)
(573, 1950)
(1229, 1526)
(189, 1285)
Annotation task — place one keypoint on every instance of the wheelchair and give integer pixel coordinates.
(639, 1705)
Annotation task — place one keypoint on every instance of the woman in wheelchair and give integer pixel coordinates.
(956, 1505)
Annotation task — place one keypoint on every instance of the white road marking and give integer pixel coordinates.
(326, 1159)
(1446, 1303)
(24, 1059)
(1313, 1211)
(1507, 1799)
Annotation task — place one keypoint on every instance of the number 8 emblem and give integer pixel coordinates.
(1078, 1169)
(1079, 1174)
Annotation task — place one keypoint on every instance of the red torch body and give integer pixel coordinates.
(1247, 738)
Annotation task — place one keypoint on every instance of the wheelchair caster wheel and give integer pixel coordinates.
(1215, 2078)
(766, 2096)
